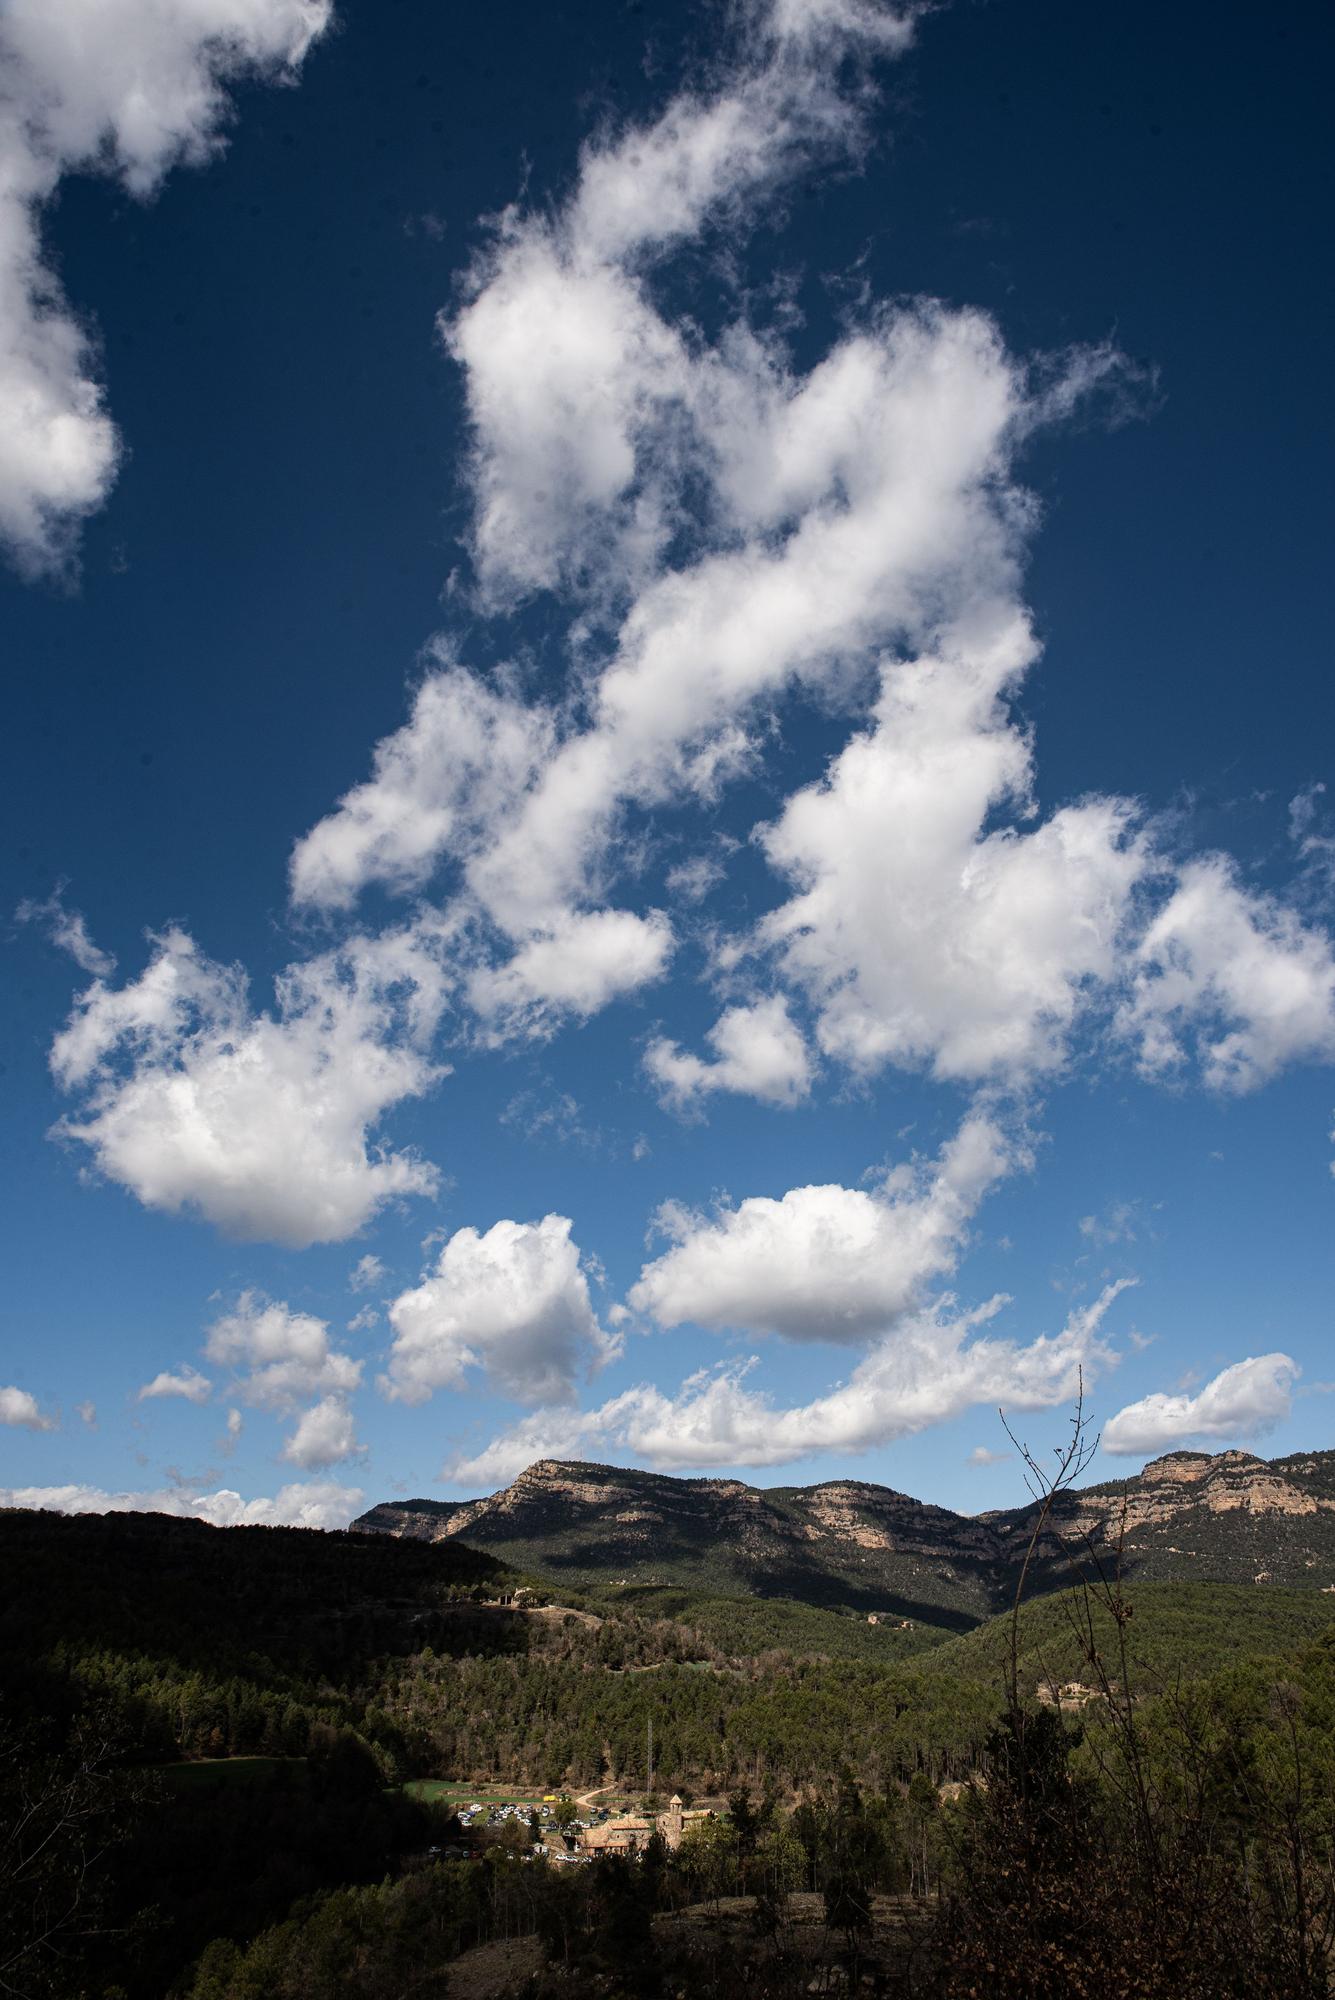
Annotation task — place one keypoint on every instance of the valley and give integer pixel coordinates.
(303, 1739)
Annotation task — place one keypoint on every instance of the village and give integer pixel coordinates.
(560, 1828)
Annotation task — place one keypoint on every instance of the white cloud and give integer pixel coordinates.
(186, 1382)
(258, 1122)
(127, 87)
(746, 529)
(894, 501)
(1121, 1222)
(865, 505)
(87, 1414)
(513, 1302)
(924, 934)
(1244, 1401)
(325, 1435)
(929, 1370)
(1233, 978)
(587, 413)
(574, 379)
(693, 879)
(465, 753)
(578, 966)
(19, 1408)
(981, 1456)
(1310, 830)
(68, 931)
(236, 1423)
(826, 1263)
(315, 1503)
(758, 1052)
(281, 1357)
(541, 1115)
(367, 1271)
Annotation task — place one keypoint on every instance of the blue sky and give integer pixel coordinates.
(669, 720)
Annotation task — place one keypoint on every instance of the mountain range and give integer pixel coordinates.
(1227, 1517)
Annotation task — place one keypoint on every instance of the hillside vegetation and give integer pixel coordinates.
(749, 1627)
(329, 1671)
(849, 1545)
(1176, 1631)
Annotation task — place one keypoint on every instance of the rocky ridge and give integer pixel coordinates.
(1227, 1517)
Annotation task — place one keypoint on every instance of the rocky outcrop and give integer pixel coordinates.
(1228, 1516)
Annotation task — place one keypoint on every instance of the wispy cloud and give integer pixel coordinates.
(931, 1369)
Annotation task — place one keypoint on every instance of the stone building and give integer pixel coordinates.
(630, 1833)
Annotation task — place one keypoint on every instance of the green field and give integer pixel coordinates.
(449, 1792)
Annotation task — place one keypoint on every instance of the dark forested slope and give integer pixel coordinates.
(303, 1676)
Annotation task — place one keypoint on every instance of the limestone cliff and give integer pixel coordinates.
(1229, 1517)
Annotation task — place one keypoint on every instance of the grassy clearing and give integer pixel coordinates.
(448, 1792)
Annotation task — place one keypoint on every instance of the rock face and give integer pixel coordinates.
(1227, 1517)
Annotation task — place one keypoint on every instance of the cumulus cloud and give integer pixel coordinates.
(186, 1382)
(862, 496)
(513, 1302)
(314, 1503)
(930, 1369)
(257, 1122)
(19, 1408)
(1232, 978)
(574, 379)
(281, 1357)
(829, 515)
(1244, 1401)
(460, 760)
(575, 968)
(325, 1435)
(126, 87)
(924, 934)
(758, 1052)
(826, 1263)
(725, 529)
(850, 507)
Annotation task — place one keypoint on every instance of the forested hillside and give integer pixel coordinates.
(1227, 1518)
(204, 1729)
(1175, 1631)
